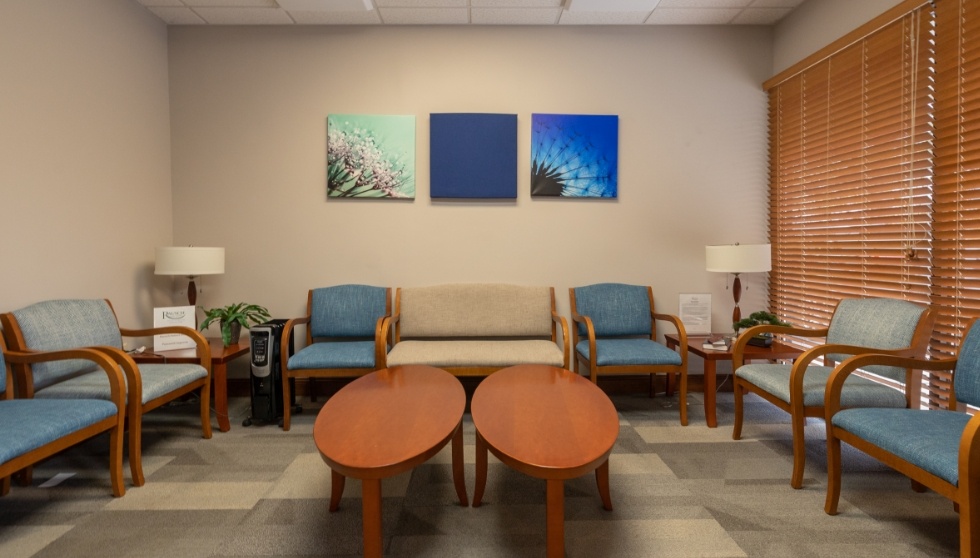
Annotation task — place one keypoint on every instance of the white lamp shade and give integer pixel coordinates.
(190, 261)
(738, 258)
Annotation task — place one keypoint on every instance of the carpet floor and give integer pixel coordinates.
(676, 491)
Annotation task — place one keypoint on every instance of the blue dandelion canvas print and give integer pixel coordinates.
(574, 155)
(370, 156)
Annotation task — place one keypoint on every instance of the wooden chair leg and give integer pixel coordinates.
(683, 398)
(286, 408)
(4, 486)
(116, 436)
(738, 392)
(917, 486)
(799, 450)
(135, 446)
(206, 410)
(312, 387)
(833, 473)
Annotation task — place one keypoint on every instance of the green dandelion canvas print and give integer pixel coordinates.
(370, 156)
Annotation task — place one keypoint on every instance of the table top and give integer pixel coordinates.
(389, 421)
(545, 421)
(219, 353)
(776, 351)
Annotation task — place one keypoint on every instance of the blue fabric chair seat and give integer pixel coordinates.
(158, 380)
(336, 354)
(858, 391)
(627, 352)
(934, 446)
(28, 424)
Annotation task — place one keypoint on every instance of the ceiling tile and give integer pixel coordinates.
(704, 3)
(677, 16)
(421, 3)
(775, 3)
(504, 16)
(610, 5)
(336, 18)
(603, 18)
(244, 16)
(425, 16)
(761, 16)
(176, 16)
(325, 5)
(232, 3)
(516, 3)
(176, 3)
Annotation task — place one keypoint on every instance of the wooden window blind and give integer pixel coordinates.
(851, 147)
(956, 196)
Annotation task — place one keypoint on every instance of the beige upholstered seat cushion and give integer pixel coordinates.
(476, 353)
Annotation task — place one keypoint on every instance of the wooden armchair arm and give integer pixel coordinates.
(560, 322)
(394, 327)
(381, 342)
(287, 334)
(804, 360)
(738, 349)
(589, 331)
(117, 386)
(681, 334)
(131, 370)
(835, 383)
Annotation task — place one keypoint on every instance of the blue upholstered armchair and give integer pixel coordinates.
(936, 449)
(32, 430)
(615, 332)
(858, 326)
(56, 325)
(346, 335)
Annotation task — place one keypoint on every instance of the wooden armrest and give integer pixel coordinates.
(561, 323)
(681, 333)
(381, 330)
(738, 349)
(835, 383)
(117, 387)
(203, 345)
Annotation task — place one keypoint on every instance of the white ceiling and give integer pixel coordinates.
(470, 12)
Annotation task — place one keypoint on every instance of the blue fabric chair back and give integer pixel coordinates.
(55, 325)
(347, 310)
(966, 380)
(615, 309)
(882, 323)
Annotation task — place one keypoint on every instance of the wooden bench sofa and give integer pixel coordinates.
(477, 329)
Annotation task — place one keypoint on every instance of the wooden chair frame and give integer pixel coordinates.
(678, 372)
(380, 351)
(798, 412)
(114, 425)
(965, 496)
(135, 408)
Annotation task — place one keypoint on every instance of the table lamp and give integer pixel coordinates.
(735, 259)
(191, 262)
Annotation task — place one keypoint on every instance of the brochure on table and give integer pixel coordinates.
(695, 313)
(173, 316)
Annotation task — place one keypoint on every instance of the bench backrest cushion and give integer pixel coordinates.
(475, 310)
(966, 380)
(54, 325)
(881, 323)
(615, 309)
(346, 310)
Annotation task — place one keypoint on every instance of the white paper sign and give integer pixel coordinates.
(173, 316)
(695, 312)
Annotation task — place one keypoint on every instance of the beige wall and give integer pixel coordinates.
(84, 145)
(249, 108)
(817, 23)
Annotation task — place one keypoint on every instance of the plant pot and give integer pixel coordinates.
(230, 333)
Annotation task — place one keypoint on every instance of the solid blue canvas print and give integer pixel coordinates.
(574, 155)
(473, 155)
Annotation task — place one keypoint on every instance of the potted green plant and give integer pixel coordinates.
(759, 318)
(233, 318)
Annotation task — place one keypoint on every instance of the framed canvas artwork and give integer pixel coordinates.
(370, 156)
(473, 155)
(574, 155)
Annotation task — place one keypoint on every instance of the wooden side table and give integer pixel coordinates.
(220, 357)
(778, 351)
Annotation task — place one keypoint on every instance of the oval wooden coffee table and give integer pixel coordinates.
(548, 423)
(385, 423)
